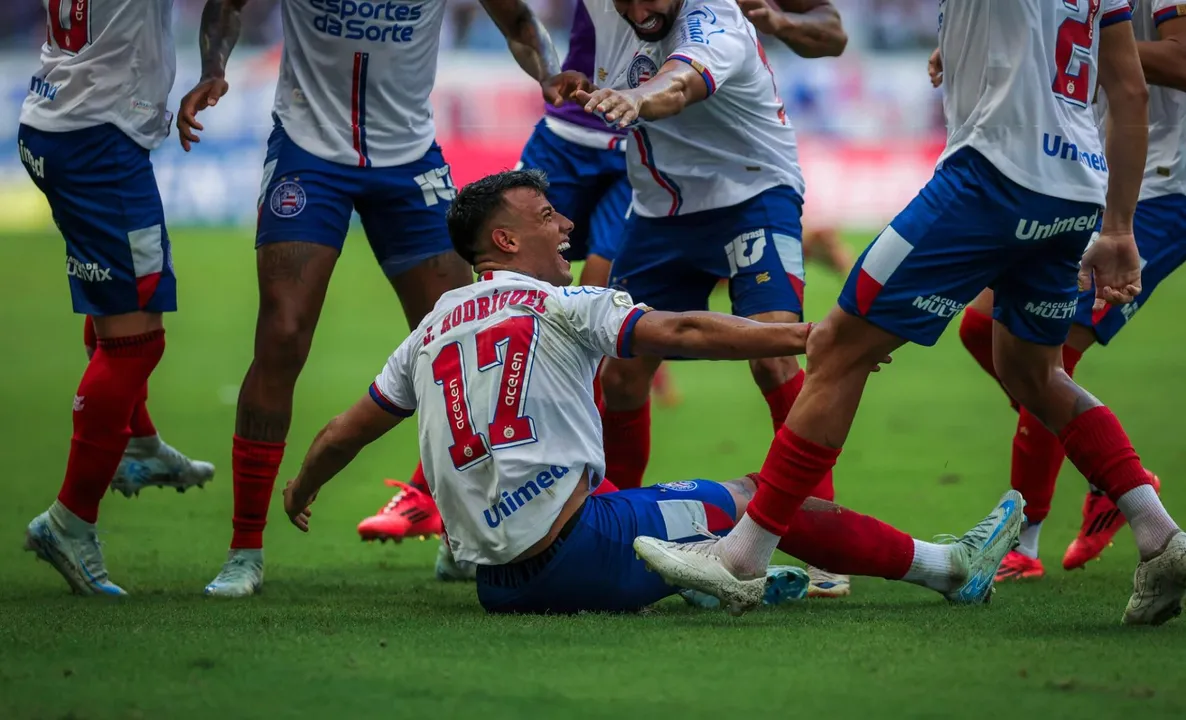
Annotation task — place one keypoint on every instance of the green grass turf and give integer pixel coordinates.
(351, 630)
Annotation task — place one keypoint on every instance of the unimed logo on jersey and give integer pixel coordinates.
(361, 20)
(530, 490)
(1057, 146)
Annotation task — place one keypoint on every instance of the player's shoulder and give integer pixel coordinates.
(700, 20)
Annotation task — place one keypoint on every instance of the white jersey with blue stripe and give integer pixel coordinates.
(355, 78)
(501, 376)
(1165, 162)
(1019, 77)
(105, 61)
(721, 151)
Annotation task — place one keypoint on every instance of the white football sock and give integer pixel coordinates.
(931, 566)
(1151, 525)
(1028, 541)
(747, 549)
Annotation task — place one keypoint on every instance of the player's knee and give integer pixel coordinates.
(626, 384)
(283, 341)
(1025, 380)
(773, 373)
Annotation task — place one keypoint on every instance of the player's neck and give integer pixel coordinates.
(485, 267)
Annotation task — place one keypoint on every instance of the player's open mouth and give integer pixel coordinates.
(563, 247)
(652, 23)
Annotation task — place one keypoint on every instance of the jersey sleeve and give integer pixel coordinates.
(1167, 10)
(602, 319)
(1115, 11)
(714, 43)
(392, 390)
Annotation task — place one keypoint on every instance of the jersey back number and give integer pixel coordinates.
(1072, 53)
(69, 24)
(509, 345)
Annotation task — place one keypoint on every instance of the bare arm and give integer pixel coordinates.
(526, 36)
(713, 336)
(676, 85)
(1123, 82)
(332, 450)
(218, 33)
(1164, 59)
(812, 28)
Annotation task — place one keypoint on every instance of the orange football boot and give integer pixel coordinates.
(411, 513)
(1101, 520)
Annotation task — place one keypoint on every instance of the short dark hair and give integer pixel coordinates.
(477, 202)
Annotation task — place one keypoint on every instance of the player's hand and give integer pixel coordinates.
(296, 505)
(1113, 262)
(615, 107)
(205, 94)
(884, 361)
(766, 19)
(935, 68)
(559, 89)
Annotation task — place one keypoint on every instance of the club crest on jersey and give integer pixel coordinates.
(642, 68)
(288, 199)
(681, 486)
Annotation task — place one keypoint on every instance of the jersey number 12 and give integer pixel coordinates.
(1072, 53)
(511, 345)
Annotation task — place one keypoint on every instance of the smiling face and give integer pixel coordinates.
(534, 234)
(651, 20)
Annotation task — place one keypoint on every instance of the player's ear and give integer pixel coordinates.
(504, 241)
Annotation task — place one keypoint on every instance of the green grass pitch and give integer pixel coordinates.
(350, 630)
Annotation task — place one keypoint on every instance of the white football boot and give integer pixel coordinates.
(449, 569)
(698, 566)
(977, 555)
(784, 583)
(1158, 586)
(71, 546)
(242, 575)
(152, 462)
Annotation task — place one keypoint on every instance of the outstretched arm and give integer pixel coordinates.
(217, 35)
(676, 85)
(714, 336)
(332, 450)
(812, 28)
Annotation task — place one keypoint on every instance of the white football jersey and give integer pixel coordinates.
(1019, 77)
(501, 374)
(1165, 163)
(105, 61)
(355, 77)
(718, 152)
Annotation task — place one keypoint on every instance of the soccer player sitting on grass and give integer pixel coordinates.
(502, 375)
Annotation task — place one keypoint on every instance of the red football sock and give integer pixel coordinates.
(1038, 455)
(793, 469)
(781, 398)
(141, 421)
(254, 466)
(627, 445)
(846, 542)
(418, 480)
(780, 401)
(976, 335)
(110, 386)
(1098, 446)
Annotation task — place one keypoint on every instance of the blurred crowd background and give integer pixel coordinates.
(877, 25)
(869, 123)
